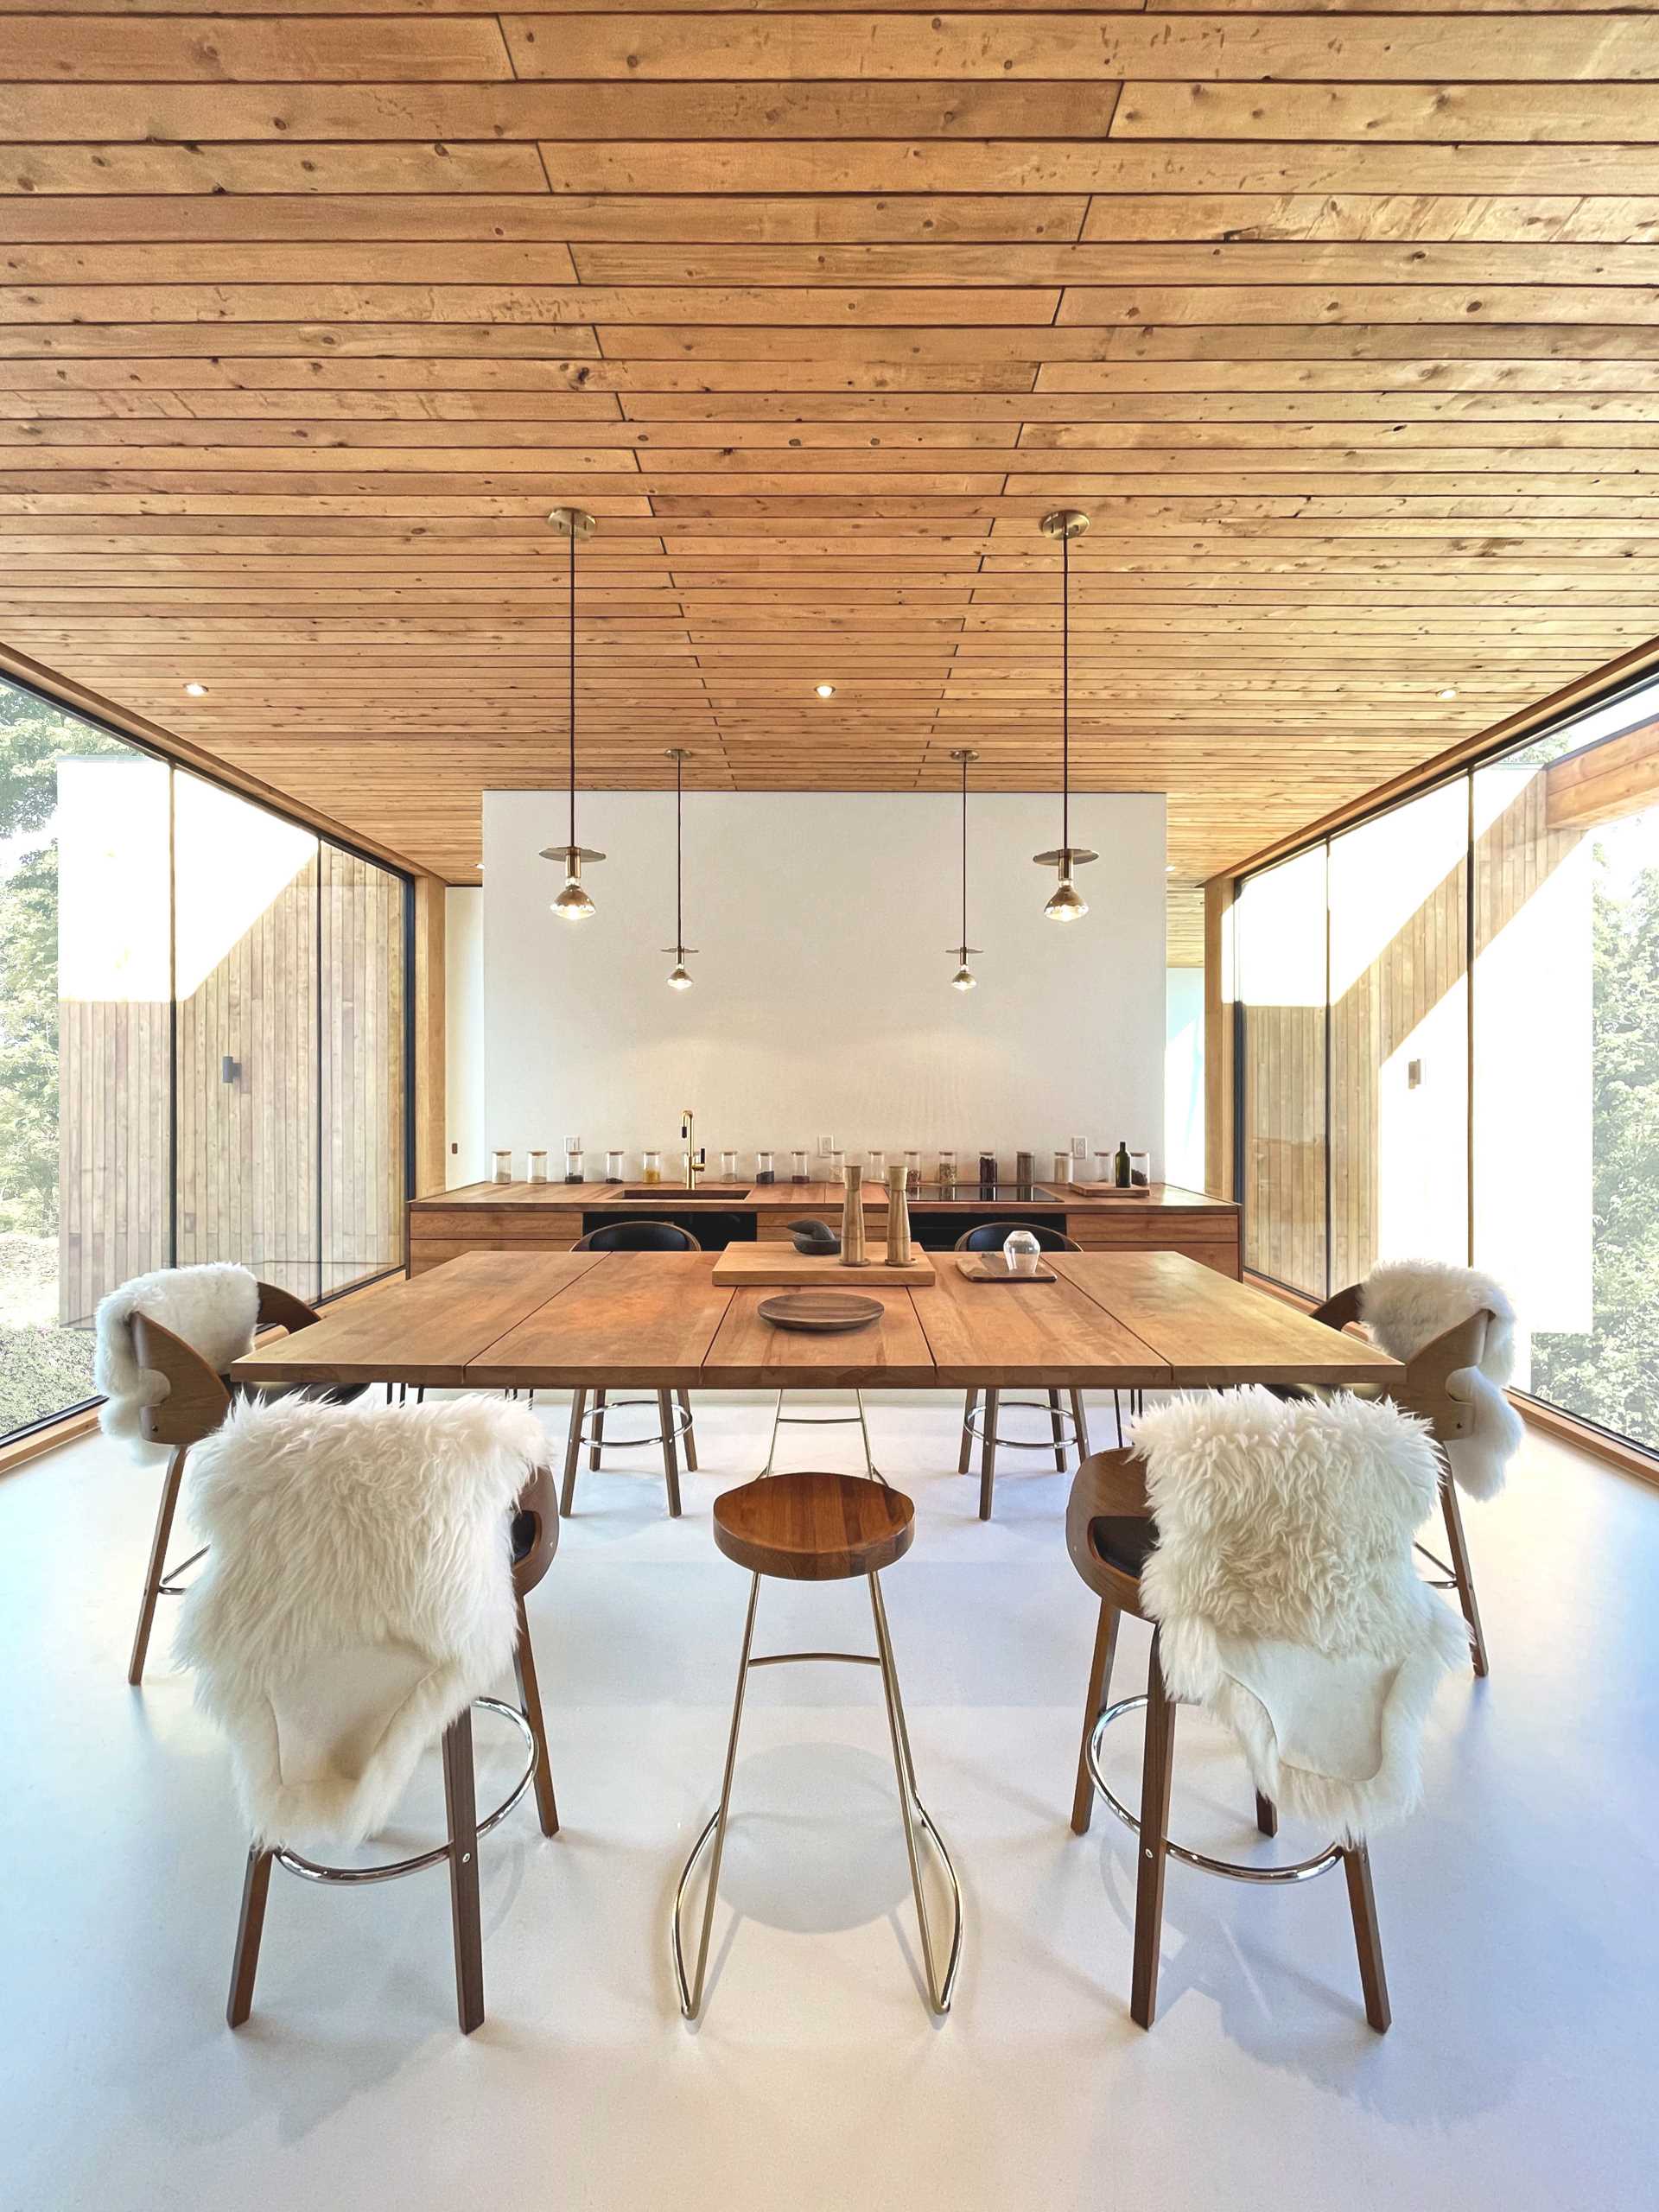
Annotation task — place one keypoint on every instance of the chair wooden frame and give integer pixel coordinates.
(981, 1426)
(1112, 1486)
(674, 1418)
(1426, 1391)
(197, 1401)
(462, 1825)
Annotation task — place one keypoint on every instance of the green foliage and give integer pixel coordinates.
(1611, 1374)
(33, 738)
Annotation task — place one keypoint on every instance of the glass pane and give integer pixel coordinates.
(245, 903)
(1399, 1037)
(1567, 1058)
(1279, 945)
(84, 987)
(362, 1069)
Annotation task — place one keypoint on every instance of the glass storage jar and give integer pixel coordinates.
(573, 1160)
(1140, 1170)
(613, 1168)
(538, 1167)
(651, 1168)
(947, 1169)
(765, 1169)
(502, 1171)
(797, 1166)
(912, 1171)
(729, 1167)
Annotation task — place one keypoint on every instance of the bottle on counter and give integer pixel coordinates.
(1121, 1169)
(797, 1166)
(501, 1172)
(573, 1160)
(651, 1166)
(765, 1169)
(1140, 1170)
(614, 1164)
(913, 1173)
(536, 1163)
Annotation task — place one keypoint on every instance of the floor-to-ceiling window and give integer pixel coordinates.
(1490, 1094)
(202, 1049)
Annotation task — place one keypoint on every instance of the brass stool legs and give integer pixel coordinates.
(913, 1813)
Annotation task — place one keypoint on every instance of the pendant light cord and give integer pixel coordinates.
(679, 864)
(964, 858)
(573, 687)
(1065, 703)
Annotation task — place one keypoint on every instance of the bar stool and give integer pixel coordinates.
(819, 1528)
(1324, 1678)
(197, 1401)
(984, 1426)
(587, 1430)
(1426, 1392)
(781, 1419)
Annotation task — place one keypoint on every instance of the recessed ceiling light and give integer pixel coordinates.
(1169, 868)
(825, 690)
(1450, 692)
(197, 690)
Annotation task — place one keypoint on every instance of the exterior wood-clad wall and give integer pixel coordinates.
(1284, 1144)
(292, 1161)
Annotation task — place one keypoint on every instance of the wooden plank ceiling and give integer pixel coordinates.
(1340, 324)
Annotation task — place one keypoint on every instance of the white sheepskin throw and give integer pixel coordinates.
(1283, 1587)
(357, 1596)
(213, 1308)
(1405, 1305)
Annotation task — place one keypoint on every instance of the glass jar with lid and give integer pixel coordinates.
(1104, 1164)
(1140, 1170)
(538, 1167)
(729, 1167)
(501, 1172)
(573, 1160)
(766, 1168)
(875, 1166)
(614, 1166)
(947, 1169)
(797, 1160)
(1062, 1166)
(912, 1171)
(651, 1165)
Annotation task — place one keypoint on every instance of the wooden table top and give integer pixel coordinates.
(495, 1320)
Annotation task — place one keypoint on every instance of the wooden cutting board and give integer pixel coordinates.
(767, 1265)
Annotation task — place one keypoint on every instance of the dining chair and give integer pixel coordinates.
(435, 1522)
(587, 1429)
(813, 1526)
(1268, 1543)
(1447, 1384)
(193, 1401)
(985, 1426)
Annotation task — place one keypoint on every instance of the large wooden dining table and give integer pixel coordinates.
(606, 1320)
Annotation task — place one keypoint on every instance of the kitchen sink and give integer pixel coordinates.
(677, 1194)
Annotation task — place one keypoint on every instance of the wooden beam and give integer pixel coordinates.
(1617, 777)
(430, 1048)
(1218, 1134)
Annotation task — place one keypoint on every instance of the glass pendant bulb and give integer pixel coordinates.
(964, 979)
(1067, 903)
(573, 904)
(680, 978)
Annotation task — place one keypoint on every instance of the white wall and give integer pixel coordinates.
(1183, 1078)
(466, 1144)
(823, 1004)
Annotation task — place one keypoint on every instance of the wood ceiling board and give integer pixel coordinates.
(314, 310)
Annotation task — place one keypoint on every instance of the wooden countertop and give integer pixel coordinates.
(791, 1197)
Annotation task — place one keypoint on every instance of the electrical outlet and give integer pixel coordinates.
(826, 1146)
(1079, 1147)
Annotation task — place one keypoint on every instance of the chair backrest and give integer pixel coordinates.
(1428, 1369)
(360, 1593)
(1285, 1595)
(991, 1235)
(212, 1309)
(196, 1399)
(638, 1237)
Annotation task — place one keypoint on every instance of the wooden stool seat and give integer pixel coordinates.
(814, 1528)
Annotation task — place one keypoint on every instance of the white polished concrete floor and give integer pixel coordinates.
(1518, 1909)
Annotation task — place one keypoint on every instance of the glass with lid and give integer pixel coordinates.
(947, 1169)
(875, 1165)
(1062, 1166)
(614, 1164)
(502, 1170)
(1140, 1170)
(764, 1167)
(912, 1171)
(538, 1167)
(651, 1169)
(729, 1167)
(573, 1160)
(797, 1166)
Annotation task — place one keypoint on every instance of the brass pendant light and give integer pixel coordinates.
(1066, 903)
(573, 904)
(680, 977)
(964, 979)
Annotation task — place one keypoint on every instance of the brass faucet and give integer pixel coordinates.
(695, 1163)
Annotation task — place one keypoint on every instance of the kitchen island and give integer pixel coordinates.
(528, 1217)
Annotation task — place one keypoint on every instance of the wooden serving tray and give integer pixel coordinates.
(991, 1267)
(764, 1266)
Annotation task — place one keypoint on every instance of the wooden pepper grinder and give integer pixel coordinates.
(853, 1254)
(897, 1215)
